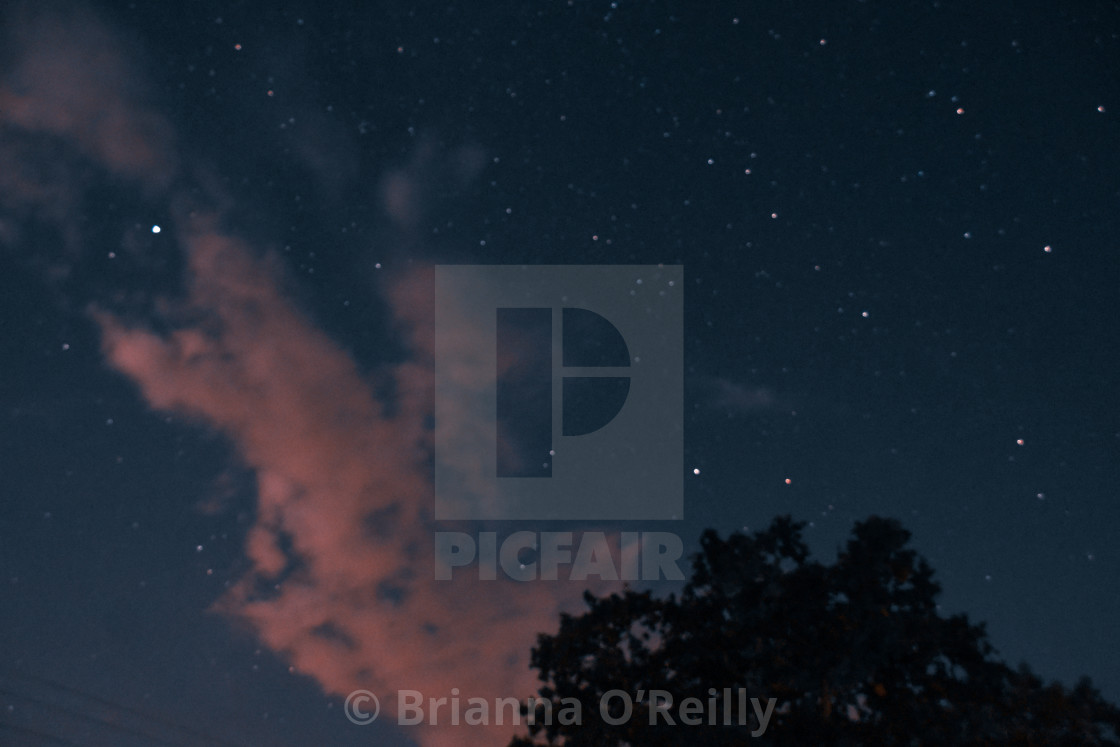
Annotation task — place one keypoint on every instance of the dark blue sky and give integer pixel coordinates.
(898, 230)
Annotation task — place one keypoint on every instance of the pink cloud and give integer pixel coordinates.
(343, 496)
(73, 79)
(341, 551)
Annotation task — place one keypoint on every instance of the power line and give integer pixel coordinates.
(141, 727)
(40, 736)
(57, 709)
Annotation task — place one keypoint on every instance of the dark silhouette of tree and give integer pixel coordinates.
(856, 653)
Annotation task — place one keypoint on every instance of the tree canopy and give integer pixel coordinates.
(856, 652)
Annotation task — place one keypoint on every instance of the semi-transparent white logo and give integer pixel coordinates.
(558, 392)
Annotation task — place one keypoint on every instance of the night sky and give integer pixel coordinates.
(897, 223)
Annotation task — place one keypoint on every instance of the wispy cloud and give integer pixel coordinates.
(71, 78)
(341, 550)
(725, 394)
(340, 579)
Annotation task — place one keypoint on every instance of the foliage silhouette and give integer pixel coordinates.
(855, 653)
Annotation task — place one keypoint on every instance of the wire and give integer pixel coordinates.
(182, 735)
(38, 734)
